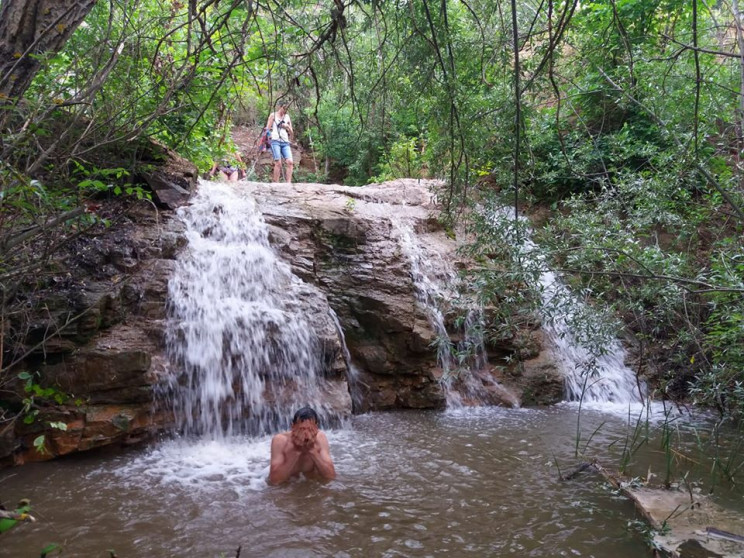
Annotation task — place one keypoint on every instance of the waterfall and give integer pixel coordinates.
(432, 280)
(592, 376)
(355, 383)
(245, 359)
(601, 378)
(465, 377)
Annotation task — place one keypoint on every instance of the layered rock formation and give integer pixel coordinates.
(347, 240)
(93, 338)
(343, 241)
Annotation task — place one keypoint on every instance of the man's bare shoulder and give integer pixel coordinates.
(280, 439)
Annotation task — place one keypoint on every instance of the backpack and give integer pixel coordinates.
(265, 142)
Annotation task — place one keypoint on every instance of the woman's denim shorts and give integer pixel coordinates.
(281, 149)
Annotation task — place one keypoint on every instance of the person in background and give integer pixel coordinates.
(304, 449)
(229, 168)
(280, 125)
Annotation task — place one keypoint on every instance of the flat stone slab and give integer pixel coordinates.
(690, 525)
(686, 524)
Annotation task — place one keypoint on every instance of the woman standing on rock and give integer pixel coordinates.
(281, 132)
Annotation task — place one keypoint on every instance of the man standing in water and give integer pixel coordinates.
(304, 449)
(281, 132)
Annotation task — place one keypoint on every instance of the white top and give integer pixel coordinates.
(279, 133)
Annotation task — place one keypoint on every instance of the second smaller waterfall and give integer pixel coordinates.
(598, 375)
(599, 378)
(461, 354)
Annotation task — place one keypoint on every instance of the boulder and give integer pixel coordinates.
(171, 181)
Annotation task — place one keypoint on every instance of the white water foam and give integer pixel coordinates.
(205, 465)
(246, 358)
(597, 380)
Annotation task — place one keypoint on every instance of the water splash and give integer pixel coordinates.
(245, 355)
(596, 375)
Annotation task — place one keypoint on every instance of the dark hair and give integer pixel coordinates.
(306, 413)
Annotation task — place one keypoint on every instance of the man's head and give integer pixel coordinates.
(306, 413)
(304, 427)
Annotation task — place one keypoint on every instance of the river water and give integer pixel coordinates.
(472, 482)
(479, 481)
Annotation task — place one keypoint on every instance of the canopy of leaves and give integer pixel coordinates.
(630, 118)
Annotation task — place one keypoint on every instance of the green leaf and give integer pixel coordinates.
(39, 442)
(52, 547)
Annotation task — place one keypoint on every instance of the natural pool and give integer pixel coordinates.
(473, 482)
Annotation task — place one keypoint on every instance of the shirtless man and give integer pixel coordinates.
(304, 449)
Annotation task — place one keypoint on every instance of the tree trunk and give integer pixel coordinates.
(30, 29)
(740, 41)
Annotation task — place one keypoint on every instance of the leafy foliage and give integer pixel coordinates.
(630, 129)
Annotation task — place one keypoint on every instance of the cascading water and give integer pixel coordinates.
(355, 383)
(432, 284)
(591, 376)
(601, 378)
(245, 358)
(437, 285)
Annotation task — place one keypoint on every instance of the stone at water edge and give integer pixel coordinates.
(684, 521)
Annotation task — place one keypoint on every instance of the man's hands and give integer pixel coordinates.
(309, 441)
(302, 450)
(321, 456)
(304, 434)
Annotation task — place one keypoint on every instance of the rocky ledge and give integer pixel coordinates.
(370, 249)
(97, 341)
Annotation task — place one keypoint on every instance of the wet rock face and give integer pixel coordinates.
(107, 308)
(95, 343)
(347, 242)
(340, 239)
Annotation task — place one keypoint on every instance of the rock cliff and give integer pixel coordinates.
(94, 343)
(344, 242)
(347, 240)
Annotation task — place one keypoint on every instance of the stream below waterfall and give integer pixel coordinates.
(469, 482)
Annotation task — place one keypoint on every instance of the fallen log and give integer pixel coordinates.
(613, 479)
(580, 468)
(721, 534)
